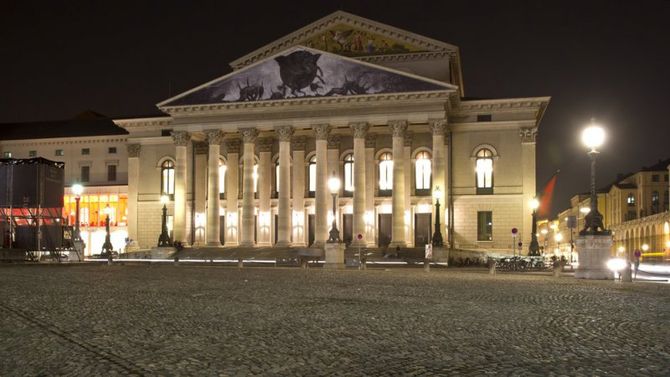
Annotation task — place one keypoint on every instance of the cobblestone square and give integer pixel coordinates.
(221, 321)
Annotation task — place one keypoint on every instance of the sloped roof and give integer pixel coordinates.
(88, 123)
(658, 166)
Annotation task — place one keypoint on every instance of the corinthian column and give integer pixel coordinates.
(360, 130)
(181, 140)
(439, 170)
(232, 193)
(264, 187)
(321, 196)
(298, 220)
(133, 188)
(213, 202)
(249, 136)
(398, 128)
(284, 134)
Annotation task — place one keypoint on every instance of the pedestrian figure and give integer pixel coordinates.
(637, 254)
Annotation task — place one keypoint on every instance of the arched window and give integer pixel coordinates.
(255, 176)
(423, 173)
(484, 170)
(349, 173)
(222, 177)
(386, 172)
(312, 176)
(167, 178)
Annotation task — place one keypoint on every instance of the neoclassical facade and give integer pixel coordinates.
(246, 158)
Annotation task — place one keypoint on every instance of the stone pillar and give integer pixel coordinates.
(398, 128)
(133, 189)
(334, 168)
(284, 134)
(528, 136)
(321, 195)
(249, 136)
(232, 193)
(407, 168)
(360, 130)
(181, 140)
(200, 206)
(298, 183)
(438, 127)
(264, 189)
(370, 171)
(213, 202)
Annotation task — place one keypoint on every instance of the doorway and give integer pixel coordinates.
(422, 229)
(347, 228)
(385, 229)
(311, 225)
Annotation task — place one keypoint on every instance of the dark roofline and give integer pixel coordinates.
(85, 124)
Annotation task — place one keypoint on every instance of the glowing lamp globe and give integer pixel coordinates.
(534, 204)
(77, 189)
(165, 199)
(593, 136)
(334, 184)
(645, 247)
(437, 193)
(558, 237)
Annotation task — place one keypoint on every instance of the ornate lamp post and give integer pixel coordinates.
(77, 190)
(534, 248)
(334, 186)
(544, 232)
(164, 239)
(593, 137)
(437, 235)
(107, 246)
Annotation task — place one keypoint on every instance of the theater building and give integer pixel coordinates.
(245, 159)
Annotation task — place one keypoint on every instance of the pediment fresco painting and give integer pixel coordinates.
(345, 40)
(302, 72)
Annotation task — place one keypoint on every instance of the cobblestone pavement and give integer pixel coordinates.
(197, 320)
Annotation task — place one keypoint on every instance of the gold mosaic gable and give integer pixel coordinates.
(345, 40)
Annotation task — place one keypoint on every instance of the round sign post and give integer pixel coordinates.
(361, 262)
(514, 233)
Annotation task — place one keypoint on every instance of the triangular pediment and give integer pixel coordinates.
(302, 72)
(349, 35)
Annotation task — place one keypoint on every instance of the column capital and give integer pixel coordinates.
(284, 133)
(321, 131)
(134, 150)
(370, 141)
(265, 144)
(408, 138)
(334, 142)
(437, 126)
(181, 138)
(233, 146)
(214, 136)
(360, 129)
(398, 127)
(298, 143)
(528, 134)
(249, 135)
(200, 147)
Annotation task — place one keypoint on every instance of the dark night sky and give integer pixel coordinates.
(602, 59)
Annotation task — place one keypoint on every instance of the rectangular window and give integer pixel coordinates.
(7, 154)
(111, 173)
(85, 151)
(59, 152)
(484, 118)
(349, 177)
(85, 173)
(312, 177)
(111, 150)
(32, 154)
(484, 226)
(655, 178)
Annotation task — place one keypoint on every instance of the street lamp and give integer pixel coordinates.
(534, 248)
(544, 232)
(593, 137)
(437, 235)
(164, 239)
(107, 246)
(334, 186)
(77, 190)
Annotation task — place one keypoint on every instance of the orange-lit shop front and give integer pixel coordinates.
(94, 205)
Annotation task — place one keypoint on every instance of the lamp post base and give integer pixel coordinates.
(593, 252)
(334, 253)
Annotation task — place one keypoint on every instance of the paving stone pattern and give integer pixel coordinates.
(220, 321)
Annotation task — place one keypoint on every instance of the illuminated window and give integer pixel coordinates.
(312, 176)
(655, 202)
(222, 177)
(7, 154)
(277, 176)
(349, 173)
(386, 172)
(630, 200)
(59, 152)
(423, 172)
(34, 154)
(167, 177)
(484, 226)
(484, 170)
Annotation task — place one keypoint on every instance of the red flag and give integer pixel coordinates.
(547, 196)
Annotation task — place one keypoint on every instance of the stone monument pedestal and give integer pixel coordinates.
(334, 256)
(594, 252)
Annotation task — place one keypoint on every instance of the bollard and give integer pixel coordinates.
(492, 268)
(240, 263)
(363, 265)
(558, 268)
(426, 265)
(303, 263)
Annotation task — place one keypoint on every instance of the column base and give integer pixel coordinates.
(283, 244)
(214, 244)
(395, 244)
(264, 244)
(247, 244)
(231, 244)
